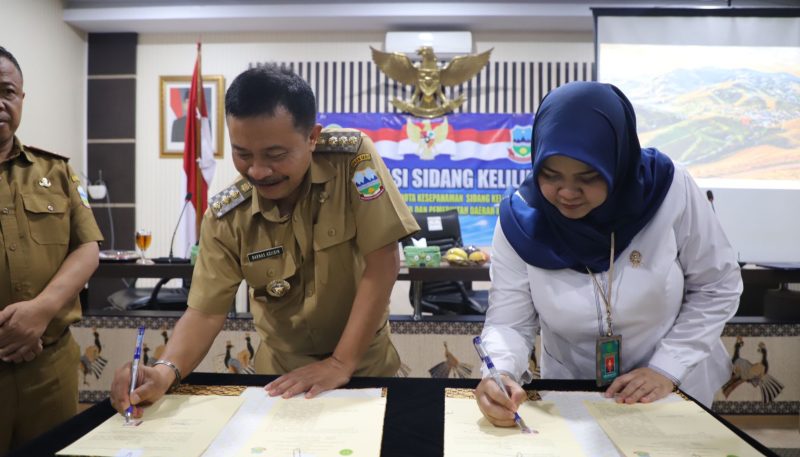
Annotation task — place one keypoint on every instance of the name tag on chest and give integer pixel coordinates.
(265, 254)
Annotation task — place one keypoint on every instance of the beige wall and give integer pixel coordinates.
(53, 58)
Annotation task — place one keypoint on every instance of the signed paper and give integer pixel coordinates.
(340, 423)
(175, 425)
(674, 429)
(468, 434)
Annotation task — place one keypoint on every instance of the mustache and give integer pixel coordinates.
(265, 182)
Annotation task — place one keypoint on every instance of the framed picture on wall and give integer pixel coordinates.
(174, 101)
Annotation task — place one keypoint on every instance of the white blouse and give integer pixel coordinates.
(670, 309)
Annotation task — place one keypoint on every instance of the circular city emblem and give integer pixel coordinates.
(278, 288)
(636, 258)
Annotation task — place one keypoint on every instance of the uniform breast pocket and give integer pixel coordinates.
(48, 218)
(333, 241)
(274, 280)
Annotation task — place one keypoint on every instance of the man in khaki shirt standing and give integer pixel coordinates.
(49, 245)
(312, 225)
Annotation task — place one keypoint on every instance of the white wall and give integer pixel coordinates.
(158, 181)
(53, 58)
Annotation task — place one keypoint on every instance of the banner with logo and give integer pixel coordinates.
(461, 161)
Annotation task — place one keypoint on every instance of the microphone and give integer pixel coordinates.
(170, 259)
(710, 197)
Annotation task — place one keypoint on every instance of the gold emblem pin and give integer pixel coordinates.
(636, 259)
(44, 182)
(278, 288)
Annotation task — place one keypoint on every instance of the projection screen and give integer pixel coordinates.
(719, 92)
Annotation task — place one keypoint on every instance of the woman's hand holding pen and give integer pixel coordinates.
(497, 407)
(152, 383)
(640, 385)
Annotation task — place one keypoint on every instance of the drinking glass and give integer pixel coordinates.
(143, 239)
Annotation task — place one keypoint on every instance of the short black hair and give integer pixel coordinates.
(259, 91)
(4, 53)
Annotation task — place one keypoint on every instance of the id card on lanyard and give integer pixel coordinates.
(608, 361)
(608, 346)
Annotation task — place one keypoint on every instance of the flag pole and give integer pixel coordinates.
(198, 191)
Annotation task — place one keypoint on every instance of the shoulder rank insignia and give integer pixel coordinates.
(230, 197)
(47, 153)
(339, 141)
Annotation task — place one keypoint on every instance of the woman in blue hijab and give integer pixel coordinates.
(613, 253)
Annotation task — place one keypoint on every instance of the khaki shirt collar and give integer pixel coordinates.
(321, 171)
(19, 150)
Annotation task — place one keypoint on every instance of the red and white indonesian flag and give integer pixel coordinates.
(198, 162)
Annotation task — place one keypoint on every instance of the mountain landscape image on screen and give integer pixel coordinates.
(722, 123)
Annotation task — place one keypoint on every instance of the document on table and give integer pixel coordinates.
(468, 434)
(336, 423)
(673, 429)
(175, 425)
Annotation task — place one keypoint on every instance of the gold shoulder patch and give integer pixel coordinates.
(230, 197)
(339, 141)
(47, 153)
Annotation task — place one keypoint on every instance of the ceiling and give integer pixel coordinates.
(182, 16)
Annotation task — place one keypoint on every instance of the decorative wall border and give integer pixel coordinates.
(232, 324)
(790, 329)
(436, 328)
(756, 407)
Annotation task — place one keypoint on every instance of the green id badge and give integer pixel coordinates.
(608, 364)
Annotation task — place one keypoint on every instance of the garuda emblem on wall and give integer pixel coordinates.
(428, 99)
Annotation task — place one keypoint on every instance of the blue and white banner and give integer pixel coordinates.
(461, 161)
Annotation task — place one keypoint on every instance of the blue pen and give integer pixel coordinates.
(496, 377)
(137, 355)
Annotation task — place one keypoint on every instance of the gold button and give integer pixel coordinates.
(5, 210)
(331, 232)
(13, 246)
(50, 207)
(270, 272)
(309, 292)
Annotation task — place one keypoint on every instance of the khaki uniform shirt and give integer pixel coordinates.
(44, 215)
(349, 207)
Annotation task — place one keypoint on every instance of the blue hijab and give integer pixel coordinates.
(595, 124)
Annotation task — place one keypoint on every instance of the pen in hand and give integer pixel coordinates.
(498, 380)
(137, 355)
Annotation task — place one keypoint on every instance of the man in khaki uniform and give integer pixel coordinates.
(312, 226)
(49, 241)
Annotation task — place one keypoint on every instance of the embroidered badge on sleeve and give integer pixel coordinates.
(365, 178)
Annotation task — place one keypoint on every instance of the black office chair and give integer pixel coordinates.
(446, 297)
(155, 298)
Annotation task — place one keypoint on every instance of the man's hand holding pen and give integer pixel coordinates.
(152, 383)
